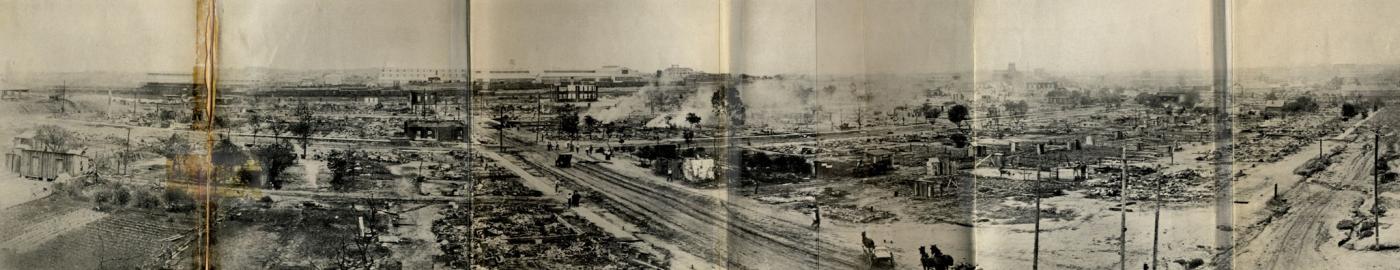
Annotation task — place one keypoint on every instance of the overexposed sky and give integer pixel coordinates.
(1094, 35)
(641, 34)
(97, 35)
(159, 35)
(846, 37)
(853, 37)
(1284, 33)
(764, 36)
(339, 34)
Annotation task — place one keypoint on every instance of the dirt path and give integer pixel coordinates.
(1297, 239)
(310, 171)
(15, 190)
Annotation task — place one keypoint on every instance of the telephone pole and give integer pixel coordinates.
(1123, 212)
(1156, 223)
(1035, 253)
(126, 164)
(1376, 185)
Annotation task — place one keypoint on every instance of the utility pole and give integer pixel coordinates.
(1123, 212)
(126, 164)
(1035, 253)
(1171, 151)
(1376, 185)
(1156, 223)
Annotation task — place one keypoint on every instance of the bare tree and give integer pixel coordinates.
(52, 138)
(305, 125)
(255, 122)
(172, 148)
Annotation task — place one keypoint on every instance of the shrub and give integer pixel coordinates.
(102, 196)
(145, 200)
(69, 189)
(121, 196)
(178, 201)
(248, 177)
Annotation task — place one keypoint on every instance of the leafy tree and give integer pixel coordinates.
(590, 124)
(227, 155)
(959, 140)
(342, 166)
(1149, 100)
(957, 114)
(568, 123)
(1017, 107)
(248, 177)
(693, 119)
(1348, 111)
(275, 158)
(930, 112)
(1301, 104)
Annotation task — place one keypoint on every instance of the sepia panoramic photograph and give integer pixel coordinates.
(699, 134)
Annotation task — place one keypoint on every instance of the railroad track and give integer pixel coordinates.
(832, 252)
(695, 219)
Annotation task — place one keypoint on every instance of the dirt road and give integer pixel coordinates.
(1304, 236)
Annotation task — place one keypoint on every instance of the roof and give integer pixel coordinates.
(434, 123)
(878, 152)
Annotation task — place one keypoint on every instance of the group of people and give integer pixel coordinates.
(575, 199)
(559, 147)
(607, 153)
